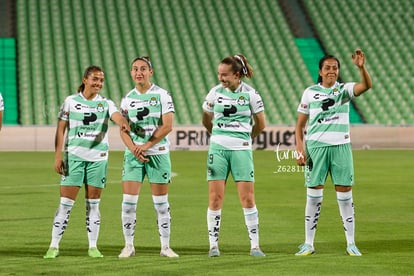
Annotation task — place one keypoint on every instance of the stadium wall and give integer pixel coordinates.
(41, 138)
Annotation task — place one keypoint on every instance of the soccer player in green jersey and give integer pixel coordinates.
(150, 112)
(233, 113)
(84, 117)
(324, 107)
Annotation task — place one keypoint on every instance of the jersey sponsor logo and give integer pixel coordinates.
(228, 110)
(318, 96)
(142, 112)
(89, 118)
(234, 125)
(328, 119)
(87, 135)
(153, 101)
(327, 103)
(140, 131)
(87, 108)
(220, 99)
(228, 101)
(134, 103)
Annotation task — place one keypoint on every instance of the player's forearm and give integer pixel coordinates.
(365, 83)
(127, 140)
(121, 121)
(259, 124)
(207, 121)
(58, 150)
(158, 135)
(299, 134)
(59, 138)
(257, 129)
(365, 77)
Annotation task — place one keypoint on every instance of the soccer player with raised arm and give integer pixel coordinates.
(324, 108)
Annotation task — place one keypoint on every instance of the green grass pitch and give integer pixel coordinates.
(384, 205)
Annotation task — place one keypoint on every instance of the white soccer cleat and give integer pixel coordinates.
(127, 251)
(305, 250)
(257, 252)
(352, 250)
(214, 252)
(168, 252)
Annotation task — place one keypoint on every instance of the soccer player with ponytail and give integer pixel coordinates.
(233, 113)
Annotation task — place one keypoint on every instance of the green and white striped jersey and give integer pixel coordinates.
(86, 136)
(232, 121)
(144, 113)
(328, 110)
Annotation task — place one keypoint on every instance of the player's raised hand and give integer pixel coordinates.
(358, 57)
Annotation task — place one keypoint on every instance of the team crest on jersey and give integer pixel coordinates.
(100, 107)
(242, 101)
(335, 91)
(153, 101)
